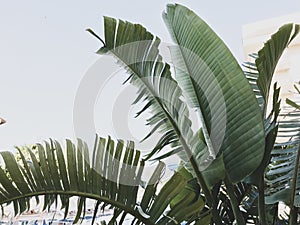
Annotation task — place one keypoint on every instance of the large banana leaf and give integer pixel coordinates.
(137, 51)
(110, 176)
(215, 85)
(260, 76)
(270, 54)
(260, 73)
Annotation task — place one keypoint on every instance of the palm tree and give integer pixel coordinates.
(222, 163)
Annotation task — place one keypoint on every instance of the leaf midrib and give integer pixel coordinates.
(176, 129)
(185, 146)
(204, 126)
(85, 195)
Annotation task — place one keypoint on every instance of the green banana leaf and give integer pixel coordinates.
(214, 84)
(137, 51)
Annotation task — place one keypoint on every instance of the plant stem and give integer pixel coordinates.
(293, 216)
(209, 198)
(275, 216)
(233, 201)
(293, 213)
(261, 201)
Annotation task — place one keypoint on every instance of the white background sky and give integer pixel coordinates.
(45, 52)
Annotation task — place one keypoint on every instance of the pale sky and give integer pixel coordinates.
(45, 52)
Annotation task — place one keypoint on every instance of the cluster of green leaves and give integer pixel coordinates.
(223, 174)
(111, 176)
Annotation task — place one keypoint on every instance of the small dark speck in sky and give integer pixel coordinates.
(2, 121)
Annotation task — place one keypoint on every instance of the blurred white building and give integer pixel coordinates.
(288, 69)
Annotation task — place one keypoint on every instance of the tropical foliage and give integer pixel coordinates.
(111, 176)
(230, 166)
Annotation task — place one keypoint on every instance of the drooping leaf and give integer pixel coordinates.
(110, 175)
(137, 51)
